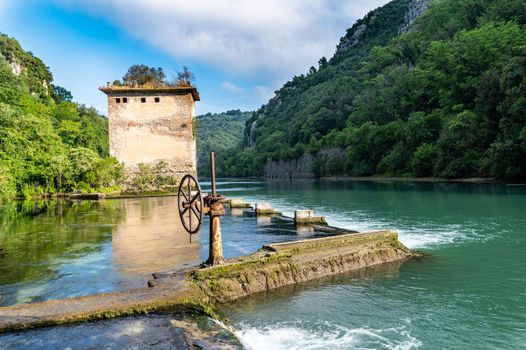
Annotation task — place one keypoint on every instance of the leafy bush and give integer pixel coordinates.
(7, 187)
(163, 176)
(424, 158)
(143, 177)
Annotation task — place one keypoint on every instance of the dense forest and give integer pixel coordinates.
(218, 132)
(446, 98)
(48, 143)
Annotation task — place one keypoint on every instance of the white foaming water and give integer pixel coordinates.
(294, 336)
(424, 236)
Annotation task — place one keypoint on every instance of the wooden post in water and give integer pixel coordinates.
(216, 211)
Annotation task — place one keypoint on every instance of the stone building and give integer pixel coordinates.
(153, 124)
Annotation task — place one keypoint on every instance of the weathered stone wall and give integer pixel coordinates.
(301, 167)
(150, 132)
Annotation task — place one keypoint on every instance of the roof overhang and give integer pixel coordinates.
(114, 90)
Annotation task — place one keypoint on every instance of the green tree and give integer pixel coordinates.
(140, 74)
(185, 77)
(47, 146)
(61, 94)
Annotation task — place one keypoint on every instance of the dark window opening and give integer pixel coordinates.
(118, 100)
(157, 100)
(143, 99)
(124, 100)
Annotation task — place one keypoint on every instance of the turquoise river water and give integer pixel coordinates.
(468, 292)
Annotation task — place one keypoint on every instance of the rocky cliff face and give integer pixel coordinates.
(355, 34)
(416, 8)
(302, 167)
(353, 38)
(16, 68)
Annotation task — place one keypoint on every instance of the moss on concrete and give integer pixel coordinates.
(284, 264)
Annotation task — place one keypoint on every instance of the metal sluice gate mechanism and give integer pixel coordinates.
(193, 207)
(190, 204)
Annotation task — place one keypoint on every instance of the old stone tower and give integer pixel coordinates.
(153, 124)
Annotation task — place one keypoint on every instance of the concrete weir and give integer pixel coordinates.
(200, 290)
(282, 264)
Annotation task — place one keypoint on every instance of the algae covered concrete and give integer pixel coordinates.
(283, 264)
(178, 296)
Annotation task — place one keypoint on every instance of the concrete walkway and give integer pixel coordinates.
(176, 295)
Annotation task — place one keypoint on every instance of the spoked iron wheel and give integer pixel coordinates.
(190, 204)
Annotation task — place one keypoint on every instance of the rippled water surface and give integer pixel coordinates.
(469, 292)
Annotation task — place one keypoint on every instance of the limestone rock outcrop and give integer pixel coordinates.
(416, 8)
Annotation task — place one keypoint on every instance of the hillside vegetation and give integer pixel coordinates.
(447, 98)
(48, 144)
(218, 133)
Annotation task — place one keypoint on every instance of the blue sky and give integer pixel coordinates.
(240, 50)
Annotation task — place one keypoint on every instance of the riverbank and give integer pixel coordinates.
(101, 195)
(471, 180)
(145, 194)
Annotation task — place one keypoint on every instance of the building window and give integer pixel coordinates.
(143, 99)
(157, 99)
(125, 100)
(117, 100)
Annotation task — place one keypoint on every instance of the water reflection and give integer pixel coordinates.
(58, 249)
(61, 249)
(35, 233)
(151, 238)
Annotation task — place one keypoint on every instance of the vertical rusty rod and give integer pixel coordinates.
(213, 172)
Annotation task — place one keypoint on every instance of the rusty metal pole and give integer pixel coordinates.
(213, 172)
(216, 211)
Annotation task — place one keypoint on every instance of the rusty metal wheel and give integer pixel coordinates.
(190, 204)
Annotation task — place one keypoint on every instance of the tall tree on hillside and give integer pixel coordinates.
(140, 74)
(61, 94)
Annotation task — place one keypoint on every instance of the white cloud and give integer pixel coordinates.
(232, 88)
(263, 92)
(273, 38)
